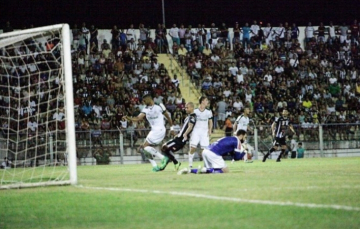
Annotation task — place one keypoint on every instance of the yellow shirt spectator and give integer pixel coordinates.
(307, 104)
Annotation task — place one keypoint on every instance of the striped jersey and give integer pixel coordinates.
(191, 118)
(281, 127)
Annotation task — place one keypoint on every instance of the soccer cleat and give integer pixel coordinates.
(164, 162)
(248, 161)
(156, 169)
(278, 160)
(183, 171)
(265, 157)
(177, 166)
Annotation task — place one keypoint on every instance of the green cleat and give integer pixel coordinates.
(164, 162)
(156, 169)
(177, 166)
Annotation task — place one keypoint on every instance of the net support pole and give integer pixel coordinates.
(70, 124)
(51, 149)
(121, 148)
(256, 143)
(321, 141)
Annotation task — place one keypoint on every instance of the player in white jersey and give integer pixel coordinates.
(202, 129)
(154, 113)
(242, 123)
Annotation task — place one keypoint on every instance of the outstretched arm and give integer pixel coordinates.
(140, 117)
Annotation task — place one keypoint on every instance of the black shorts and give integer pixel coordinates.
(280, 141)
(176, 144)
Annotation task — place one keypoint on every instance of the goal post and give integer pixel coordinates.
(37, 139)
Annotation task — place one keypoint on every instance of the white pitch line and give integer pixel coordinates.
(231, 199)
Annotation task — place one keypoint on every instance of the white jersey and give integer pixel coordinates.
(202, 119)
(242, 123)
(154, 115)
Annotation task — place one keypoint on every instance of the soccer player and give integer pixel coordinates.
(181, 138)
(202, 129)
(242, 123)
(154, 113)
(212, 156)
(279, 128)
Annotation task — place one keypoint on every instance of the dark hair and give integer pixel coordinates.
(202, 98)
(240, 132)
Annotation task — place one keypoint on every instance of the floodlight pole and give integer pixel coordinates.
(163, 11)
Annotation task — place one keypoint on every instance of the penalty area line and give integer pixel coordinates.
(230, 199)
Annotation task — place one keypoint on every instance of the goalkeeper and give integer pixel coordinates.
(213, 155)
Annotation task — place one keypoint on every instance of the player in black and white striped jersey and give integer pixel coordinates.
(279, 129)
(181, 139)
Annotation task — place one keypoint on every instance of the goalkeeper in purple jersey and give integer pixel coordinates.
(212, 155)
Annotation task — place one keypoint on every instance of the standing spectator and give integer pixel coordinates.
(144, 33)
(228, 126)
(354, 31)
(293, 147)
(321, 33)
(130, 33)
(222, 106)
(93, 35)
(309, 33)
(246, 34)
(85, 33)
(96, 136)
(343, 29)
(174, 34)
(75, 35)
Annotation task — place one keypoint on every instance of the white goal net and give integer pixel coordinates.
(37, 139)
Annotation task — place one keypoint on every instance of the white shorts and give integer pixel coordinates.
(199, 137)
(212, 160)
(155, 137)
(221, 117)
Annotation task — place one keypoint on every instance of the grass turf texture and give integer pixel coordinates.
(131, 196)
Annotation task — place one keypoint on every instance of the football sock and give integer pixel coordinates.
(153, 152)
(191, 158)
(153, 163)
(280, 155)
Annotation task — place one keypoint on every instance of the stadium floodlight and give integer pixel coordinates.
(36, 108)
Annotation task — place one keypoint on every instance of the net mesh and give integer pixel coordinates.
(32, 113)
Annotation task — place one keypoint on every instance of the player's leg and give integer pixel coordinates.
(194, 141)
(154, 138)
(273, 148)
(213, 163)
(283, 149)
(168, 150)
(204, 142)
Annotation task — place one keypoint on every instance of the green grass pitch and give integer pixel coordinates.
(306, 193)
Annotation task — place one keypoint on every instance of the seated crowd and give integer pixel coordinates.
(262, 68)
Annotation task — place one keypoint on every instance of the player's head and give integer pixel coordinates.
(241, 134)
(203, 100)
(285, 112)
(189, 107)
(247, 110)
(147, 99)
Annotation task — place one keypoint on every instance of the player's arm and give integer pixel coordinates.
(167, 116)
(140, 117)
(235, 126)
(210, 122)
(273, 129)
(292, 129)
(188, 130)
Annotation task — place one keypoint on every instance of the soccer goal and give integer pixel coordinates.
(37, 139)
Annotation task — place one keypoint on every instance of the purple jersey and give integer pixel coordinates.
(225, 145)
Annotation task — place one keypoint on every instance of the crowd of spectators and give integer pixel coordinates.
(268, 70)
(264, 68)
